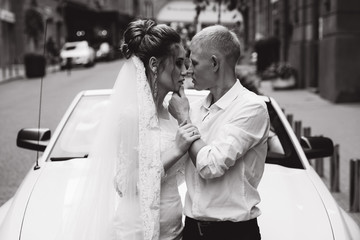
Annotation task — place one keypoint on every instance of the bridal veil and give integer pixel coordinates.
(124, 166)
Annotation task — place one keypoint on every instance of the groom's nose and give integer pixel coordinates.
(190, 69)
(190, 72)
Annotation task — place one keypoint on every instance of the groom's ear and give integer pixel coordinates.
(215, 63)
(153, 64)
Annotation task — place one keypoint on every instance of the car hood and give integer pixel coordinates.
(291, 207)
(50, 199)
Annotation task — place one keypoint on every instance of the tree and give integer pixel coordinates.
(200, 5)
(34, 61)
(34, 25)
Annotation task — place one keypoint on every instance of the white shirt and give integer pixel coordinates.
(223, 185)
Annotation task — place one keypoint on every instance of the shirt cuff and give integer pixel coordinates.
(204, 165)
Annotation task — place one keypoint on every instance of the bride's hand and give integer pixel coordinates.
(185, 136)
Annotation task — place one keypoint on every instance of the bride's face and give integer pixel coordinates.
(172, 74)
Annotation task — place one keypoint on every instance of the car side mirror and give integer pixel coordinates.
(33, 138)
(317, 147)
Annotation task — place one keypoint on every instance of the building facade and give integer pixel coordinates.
(8, 42)
(14, 43)
(318, 37)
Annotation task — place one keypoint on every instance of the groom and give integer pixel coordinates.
(227, 163)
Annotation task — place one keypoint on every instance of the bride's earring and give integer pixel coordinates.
(155, 87)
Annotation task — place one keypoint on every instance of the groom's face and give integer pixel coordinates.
(201, 68)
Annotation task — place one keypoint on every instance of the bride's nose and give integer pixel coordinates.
(183, 70)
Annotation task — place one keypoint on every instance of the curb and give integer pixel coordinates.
(2, 81)
(21, 75)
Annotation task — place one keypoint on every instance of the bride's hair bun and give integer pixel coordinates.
(134, 35)
(145, 38)
(126, 51)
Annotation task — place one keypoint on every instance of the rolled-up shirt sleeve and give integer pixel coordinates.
(233, 140)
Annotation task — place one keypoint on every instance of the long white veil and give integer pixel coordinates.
(124, 167)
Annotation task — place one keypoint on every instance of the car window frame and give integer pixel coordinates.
(290, 158)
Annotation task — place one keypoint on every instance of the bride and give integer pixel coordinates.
(138, 150)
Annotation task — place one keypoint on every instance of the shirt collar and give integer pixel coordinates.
(227, 98)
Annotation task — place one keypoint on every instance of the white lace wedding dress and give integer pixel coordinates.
(170, 201)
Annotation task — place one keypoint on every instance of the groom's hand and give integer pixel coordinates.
(179, 106)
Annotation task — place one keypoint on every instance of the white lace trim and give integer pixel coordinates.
(150, 165)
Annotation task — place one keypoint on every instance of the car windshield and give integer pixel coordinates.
(78, 133)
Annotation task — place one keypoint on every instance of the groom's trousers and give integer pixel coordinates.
(224, 230)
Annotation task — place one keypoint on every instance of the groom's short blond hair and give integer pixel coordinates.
(218, 39)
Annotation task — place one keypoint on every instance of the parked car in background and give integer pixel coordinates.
(105, 52)
(77, 53)
(295, 204)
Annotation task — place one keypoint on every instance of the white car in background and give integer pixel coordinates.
(105, 52)
(295, 204)
(77, 53)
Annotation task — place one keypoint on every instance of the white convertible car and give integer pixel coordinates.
(295, 202)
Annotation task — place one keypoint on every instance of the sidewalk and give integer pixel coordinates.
(18, 72)
(12, 72)
(340, 122)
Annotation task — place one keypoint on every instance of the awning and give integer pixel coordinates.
(184, 11)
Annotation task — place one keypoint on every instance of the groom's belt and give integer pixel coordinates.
(204, 226)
